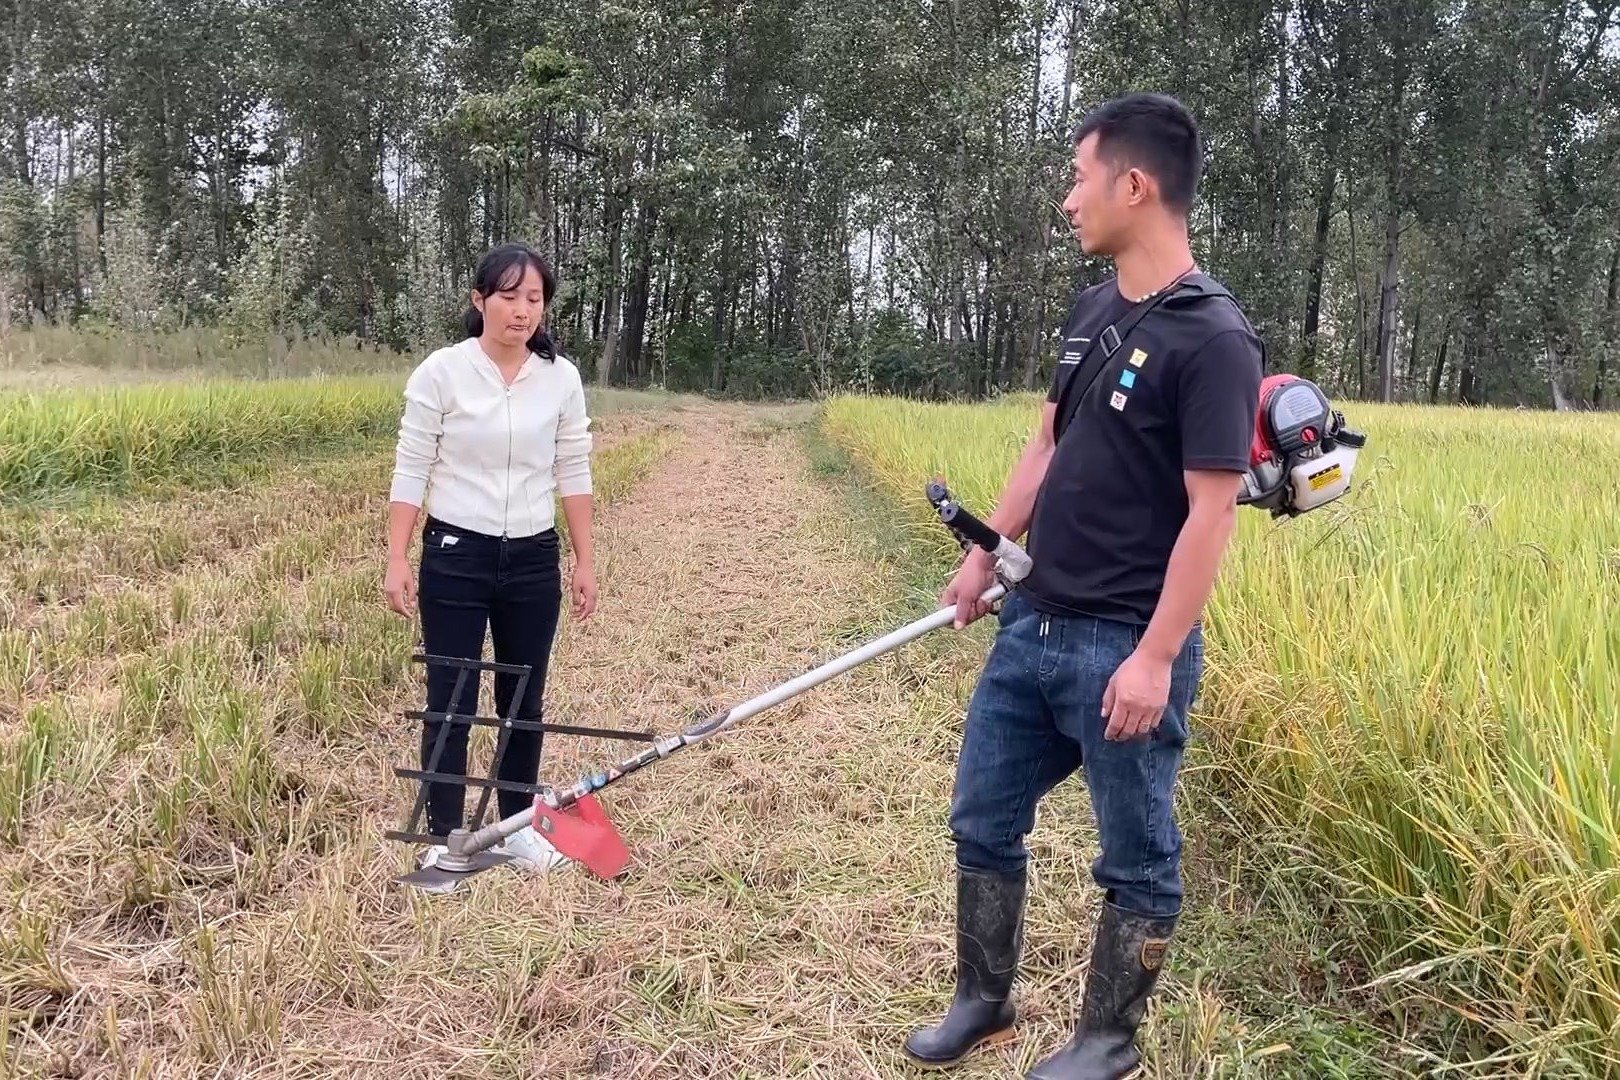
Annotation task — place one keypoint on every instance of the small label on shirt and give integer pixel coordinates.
(1117, 401)
(1072, 355)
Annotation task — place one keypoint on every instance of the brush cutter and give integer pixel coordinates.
(572, 819)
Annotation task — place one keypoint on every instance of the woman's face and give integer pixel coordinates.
(512, 314)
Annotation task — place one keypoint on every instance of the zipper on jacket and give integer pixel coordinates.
(507, 504)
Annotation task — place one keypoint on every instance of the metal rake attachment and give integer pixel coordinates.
(461, 861)
(575, 823)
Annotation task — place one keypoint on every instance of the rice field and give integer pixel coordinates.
(1408, 750)
(120, 438)
(1413, 695)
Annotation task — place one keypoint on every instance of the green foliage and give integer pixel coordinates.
(1411, 199)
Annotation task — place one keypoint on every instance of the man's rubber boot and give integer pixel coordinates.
(989, 934)
(1126, 958)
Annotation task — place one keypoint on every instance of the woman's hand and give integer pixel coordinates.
(399, 585)
(582, 584)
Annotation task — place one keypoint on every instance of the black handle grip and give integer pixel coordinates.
(971, 527)
(968, 528)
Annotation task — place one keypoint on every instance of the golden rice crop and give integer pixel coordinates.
(118, 436)
(1415, 688)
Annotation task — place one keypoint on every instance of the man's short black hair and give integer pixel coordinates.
(1153, 132)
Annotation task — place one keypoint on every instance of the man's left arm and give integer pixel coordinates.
(1217, 398)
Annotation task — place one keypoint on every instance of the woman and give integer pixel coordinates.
(493, 427)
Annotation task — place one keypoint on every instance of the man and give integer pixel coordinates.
(1099, 654)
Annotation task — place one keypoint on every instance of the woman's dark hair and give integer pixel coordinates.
(503, 267)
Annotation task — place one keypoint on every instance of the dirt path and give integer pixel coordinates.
(787, 908)
(769, 923)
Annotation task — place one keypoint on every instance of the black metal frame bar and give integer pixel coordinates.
(413, 830)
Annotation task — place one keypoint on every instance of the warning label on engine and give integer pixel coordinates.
(1329, 475)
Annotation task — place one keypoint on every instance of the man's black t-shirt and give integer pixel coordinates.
(1180, 392)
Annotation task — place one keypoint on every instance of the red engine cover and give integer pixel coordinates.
(1261, 450)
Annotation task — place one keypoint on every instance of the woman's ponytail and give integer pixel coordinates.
(539, 344)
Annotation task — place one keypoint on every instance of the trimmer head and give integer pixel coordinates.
(584, 832)
(440, 878)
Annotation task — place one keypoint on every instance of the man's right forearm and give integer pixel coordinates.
(1016, 506)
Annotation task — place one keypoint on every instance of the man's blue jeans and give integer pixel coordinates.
(1036, 716)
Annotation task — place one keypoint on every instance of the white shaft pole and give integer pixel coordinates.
(494, 833)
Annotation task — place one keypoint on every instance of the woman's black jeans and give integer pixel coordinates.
(513, 587)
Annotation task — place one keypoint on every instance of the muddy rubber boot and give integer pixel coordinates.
(989, 934)
(1126, 958)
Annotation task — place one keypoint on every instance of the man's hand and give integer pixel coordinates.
(976, 574)
(1136, 696)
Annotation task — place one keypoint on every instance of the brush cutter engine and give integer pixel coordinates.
(1302, 456)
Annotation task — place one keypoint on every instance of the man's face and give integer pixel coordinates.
(1098, 205)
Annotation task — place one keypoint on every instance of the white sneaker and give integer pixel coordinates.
(532, 850)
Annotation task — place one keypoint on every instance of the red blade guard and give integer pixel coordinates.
(584, 833)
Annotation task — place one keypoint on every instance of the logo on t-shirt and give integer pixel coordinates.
(1138, 357)
(1117, 401)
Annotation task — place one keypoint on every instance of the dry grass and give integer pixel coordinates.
(196, 883)
(84, 355)
(195, 724)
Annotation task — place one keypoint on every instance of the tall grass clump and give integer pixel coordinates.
(1416, 689)
(117, 437)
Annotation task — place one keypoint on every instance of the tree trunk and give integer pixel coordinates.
(957, 227)
(1313, 286)
(101, 189)
(1282, 237)
(1390, 276)
(1355, 276)
(1469, 390)
(1439, 364)
(1600, 381)
(544, 213)
(635, 320)
(1410, 376)
(611, 299)
(722, 301)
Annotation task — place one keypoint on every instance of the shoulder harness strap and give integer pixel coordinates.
(1191, 289)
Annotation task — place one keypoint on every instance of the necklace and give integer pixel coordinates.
(1190, 268)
